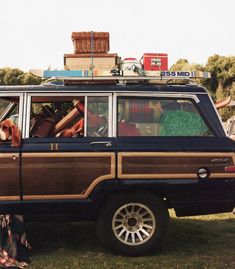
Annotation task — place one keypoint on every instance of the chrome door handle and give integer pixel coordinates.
(106, 143)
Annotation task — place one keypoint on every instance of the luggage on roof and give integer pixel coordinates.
(87, 42)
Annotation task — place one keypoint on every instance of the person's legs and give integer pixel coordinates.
(14, 246)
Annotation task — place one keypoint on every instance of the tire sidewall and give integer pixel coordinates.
(105, 229)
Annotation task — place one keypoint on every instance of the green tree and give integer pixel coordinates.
(11, 76)
(184, 65)
(29, 79)
(222, 82)
(15, 76)
(222, 71)
(2, 75)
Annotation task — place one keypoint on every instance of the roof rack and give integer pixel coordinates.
(153, 77)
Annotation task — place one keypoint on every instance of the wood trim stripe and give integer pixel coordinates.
(9, 198)
(66, 154)
(178, 154)
(9, 155)
(173, 176)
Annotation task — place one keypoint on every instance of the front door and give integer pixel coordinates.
(69, 149)
(10, 135)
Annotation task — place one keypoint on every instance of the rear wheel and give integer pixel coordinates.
(133, 224)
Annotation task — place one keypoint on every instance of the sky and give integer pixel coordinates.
(35, 34)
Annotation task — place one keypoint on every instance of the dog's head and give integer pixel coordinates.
(8, 130)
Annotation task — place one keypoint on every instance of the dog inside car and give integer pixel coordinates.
(10, 131)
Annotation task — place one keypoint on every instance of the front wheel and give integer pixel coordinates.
(133, 224)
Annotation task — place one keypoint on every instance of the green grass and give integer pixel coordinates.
(205, 242)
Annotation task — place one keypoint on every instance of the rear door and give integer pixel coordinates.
(11, 108)
(69, 148)
(166, 137)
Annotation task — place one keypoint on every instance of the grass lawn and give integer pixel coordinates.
(192, 243)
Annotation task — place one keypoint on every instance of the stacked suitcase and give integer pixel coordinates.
(91, 54)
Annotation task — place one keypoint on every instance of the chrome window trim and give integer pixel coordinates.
(71, 94)
(154, 94)
(115, 111)
(85, 117)
(110, 111)
(27, 115)
(24, 119)
(85, 94)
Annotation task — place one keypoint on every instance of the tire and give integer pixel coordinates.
(133, 224)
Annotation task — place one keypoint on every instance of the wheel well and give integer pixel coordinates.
(146, 192)
(133, 222)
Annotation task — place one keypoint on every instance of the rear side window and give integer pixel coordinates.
(159, 117)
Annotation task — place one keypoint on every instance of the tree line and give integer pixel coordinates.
(221, 84)
(15, 76)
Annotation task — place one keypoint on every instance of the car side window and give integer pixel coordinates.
(9, 120)
(159, 117)
(9, 108)
(68, 116)
(97, 116)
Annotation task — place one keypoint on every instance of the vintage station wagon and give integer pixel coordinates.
(121, 154)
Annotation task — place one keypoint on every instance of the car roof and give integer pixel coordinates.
(106, 88)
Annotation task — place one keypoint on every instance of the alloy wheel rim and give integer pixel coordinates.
(133, 224)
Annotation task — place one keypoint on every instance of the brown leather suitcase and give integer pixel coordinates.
(82, 42)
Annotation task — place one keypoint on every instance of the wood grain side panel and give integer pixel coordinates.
(172, 165)
(64, 174)
(9, 176)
